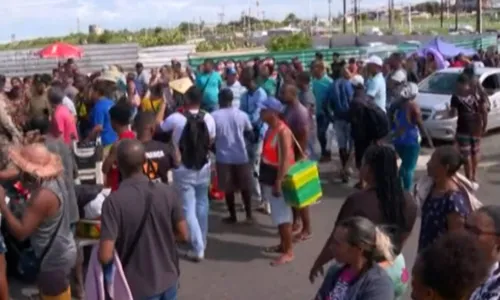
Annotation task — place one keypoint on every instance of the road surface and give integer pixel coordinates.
(236, 268)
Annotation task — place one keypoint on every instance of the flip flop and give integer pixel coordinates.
(273, 249)
(282, 260)
(301, 237)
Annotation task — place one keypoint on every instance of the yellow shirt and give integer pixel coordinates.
(151, 105)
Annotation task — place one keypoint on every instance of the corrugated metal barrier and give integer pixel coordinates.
(158, 56)
(25, 62)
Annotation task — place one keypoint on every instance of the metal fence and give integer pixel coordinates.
(25, 62)
(158, 56)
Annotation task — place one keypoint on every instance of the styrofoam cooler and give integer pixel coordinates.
(302, 185)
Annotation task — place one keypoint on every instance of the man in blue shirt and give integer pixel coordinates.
(321, 85)
(339, 104)
(209, 82)
(249, 103)
(99, 115)
(375, 85)
(234, 171)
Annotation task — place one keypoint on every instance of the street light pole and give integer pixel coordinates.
(344, 21)
(329, 14)
(479, 18)
(442, 13)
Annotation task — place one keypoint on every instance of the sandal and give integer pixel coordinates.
(302, 237)
(274, 249)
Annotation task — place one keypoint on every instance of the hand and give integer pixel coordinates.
(315, 271)
(3, 203)
(277, 188)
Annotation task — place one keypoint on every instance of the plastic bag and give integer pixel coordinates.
(331, 139)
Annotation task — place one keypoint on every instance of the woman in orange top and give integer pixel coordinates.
(277, 158)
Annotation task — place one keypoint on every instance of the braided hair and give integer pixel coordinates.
(382, 160)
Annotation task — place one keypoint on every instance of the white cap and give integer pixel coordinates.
(399, 76)
(375, 60)
(357, 80)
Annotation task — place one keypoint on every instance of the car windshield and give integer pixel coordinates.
(441, 83)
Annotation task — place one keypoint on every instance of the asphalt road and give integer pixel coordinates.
(236, 268)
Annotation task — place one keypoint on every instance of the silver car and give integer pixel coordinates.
(435, 94)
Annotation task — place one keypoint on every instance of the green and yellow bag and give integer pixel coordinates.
(302, 185)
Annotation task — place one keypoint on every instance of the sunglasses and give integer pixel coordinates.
(476, 231)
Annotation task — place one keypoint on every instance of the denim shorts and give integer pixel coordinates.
(343, 133)
(281, 212)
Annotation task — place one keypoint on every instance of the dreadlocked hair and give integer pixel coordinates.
(382, 160)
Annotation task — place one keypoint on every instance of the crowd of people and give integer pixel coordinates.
(250, 122)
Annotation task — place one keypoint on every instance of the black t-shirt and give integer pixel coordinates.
(366, 204)
(160, 158)
(470, 119)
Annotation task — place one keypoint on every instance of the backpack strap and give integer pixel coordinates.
(147, 210)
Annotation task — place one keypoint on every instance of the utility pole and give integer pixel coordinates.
(329, 14)
(441, 15)
(456, 14)
(77, 25)
(479, 17)
(355, 16)
(390, 8)
(344, 21)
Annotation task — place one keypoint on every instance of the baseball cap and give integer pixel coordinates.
(375, 60)
(399, 76)
(231, 71)
(357, 80)
(408, 91)
(272, 104)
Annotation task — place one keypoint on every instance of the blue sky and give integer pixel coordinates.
(36, 18)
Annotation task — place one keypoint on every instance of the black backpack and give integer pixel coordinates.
(377, 121)
(194, 143)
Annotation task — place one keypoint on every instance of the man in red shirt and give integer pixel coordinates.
(120, 116)
(460, 61)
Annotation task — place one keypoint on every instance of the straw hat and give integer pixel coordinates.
(35, 159)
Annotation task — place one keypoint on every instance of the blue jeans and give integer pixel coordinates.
(254, 154)
(343, 133)
(193, 189)
(169, 294)
(409, 157)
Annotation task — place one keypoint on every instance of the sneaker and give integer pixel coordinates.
(192, 256)
(264, 207)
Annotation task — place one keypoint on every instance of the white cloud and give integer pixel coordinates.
(89, 11)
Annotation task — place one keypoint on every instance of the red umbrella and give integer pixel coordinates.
(60, 50)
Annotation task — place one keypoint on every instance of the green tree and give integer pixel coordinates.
(291, 19)
(291, 42)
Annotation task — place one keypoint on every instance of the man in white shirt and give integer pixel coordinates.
(234, 85)
(192, 178)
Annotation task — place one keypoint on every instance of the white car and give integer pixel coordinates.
(435, 94)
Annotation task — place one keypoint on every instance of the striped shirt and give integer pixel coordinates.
(490, 290)
(237, 90)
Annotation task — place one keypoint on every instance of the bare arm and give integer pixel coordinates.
(417, 117)
(284, 145)
(40, 205)
(110, 159)
(7, 123)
